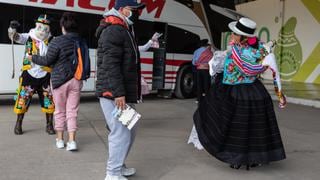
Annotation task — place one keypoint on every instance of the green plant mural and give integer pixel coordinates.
(309, 67)
(313, 7)
(309, 70)
(288, 50)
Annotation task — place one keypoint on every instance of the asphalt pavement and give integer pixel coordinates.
(160, 152)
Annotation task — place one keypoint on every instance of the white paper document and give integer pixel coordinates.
(128, 117)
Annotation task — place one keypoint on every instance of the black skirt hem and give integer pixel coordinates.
(237, 124)
(251, 158)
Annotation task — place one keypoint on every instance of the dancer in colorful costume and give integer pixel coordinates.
(34, 78)
(236, 122)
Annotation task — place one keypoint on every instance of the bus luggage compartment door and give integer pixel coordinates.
(159, 68)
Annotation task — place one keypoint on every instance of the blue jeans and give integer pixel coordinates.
(120, 138)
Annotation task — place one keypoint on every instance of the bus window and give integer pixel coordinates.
(9, 12)
(87, 23)
(181, 41)
(87, 26)
(30, 14)
(144, 31)
(27, 15)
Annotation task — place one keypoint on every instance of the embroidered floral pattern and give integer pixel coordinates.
(28, 51)
(23, 98)
(47, 101)
(232, 74)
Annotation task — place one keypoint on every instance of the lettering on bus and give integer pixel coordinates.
(85, 4)
(70, 3)
(151, 5)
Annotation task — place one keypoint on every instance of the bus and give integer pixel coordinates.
(167, 68)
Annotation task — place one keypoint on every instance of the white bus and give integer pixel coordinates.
(166, 68)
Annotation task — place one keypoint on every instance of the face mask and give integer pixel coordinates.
(128, 18)
(130, 14)
(42, 31)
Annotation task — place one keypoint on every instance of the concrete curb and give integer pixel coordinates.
(300, 101)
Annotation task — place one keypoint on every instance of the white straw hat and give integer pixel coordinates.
(244, 26)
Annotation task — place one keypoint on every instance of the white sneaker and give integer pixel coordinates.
(128, 171)
(59, 143)
(71, 146)
(109, 177)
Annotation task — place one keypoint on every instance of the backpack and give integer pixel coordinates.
(81, 59)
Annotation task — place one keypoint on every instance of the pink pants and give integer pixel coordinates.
(67, 100)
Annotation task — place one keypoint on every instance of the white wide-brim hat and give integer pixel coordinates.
(244, 26)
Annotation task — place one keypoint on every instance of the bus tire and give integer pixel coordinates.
(184, 83)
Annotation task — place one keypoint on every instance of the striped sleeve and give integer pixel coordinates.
(247, 68)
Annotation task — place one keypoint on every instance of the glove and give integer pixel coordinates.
(156, 36)
(154, 40)
(11, 32)
(155, 44)
(13, 28)
(269, 45)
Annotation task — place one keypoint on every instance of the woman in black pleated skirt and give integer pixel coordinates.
(236, 123)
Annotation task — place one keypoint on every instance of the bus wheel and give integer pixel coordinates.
(184, 84)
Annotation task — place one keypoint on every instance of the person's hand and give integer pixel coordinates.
(154, 40)
(282, 101)
(11, 32)
(120, 102)
(29, 57)
(269, 45)
(156, 36)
